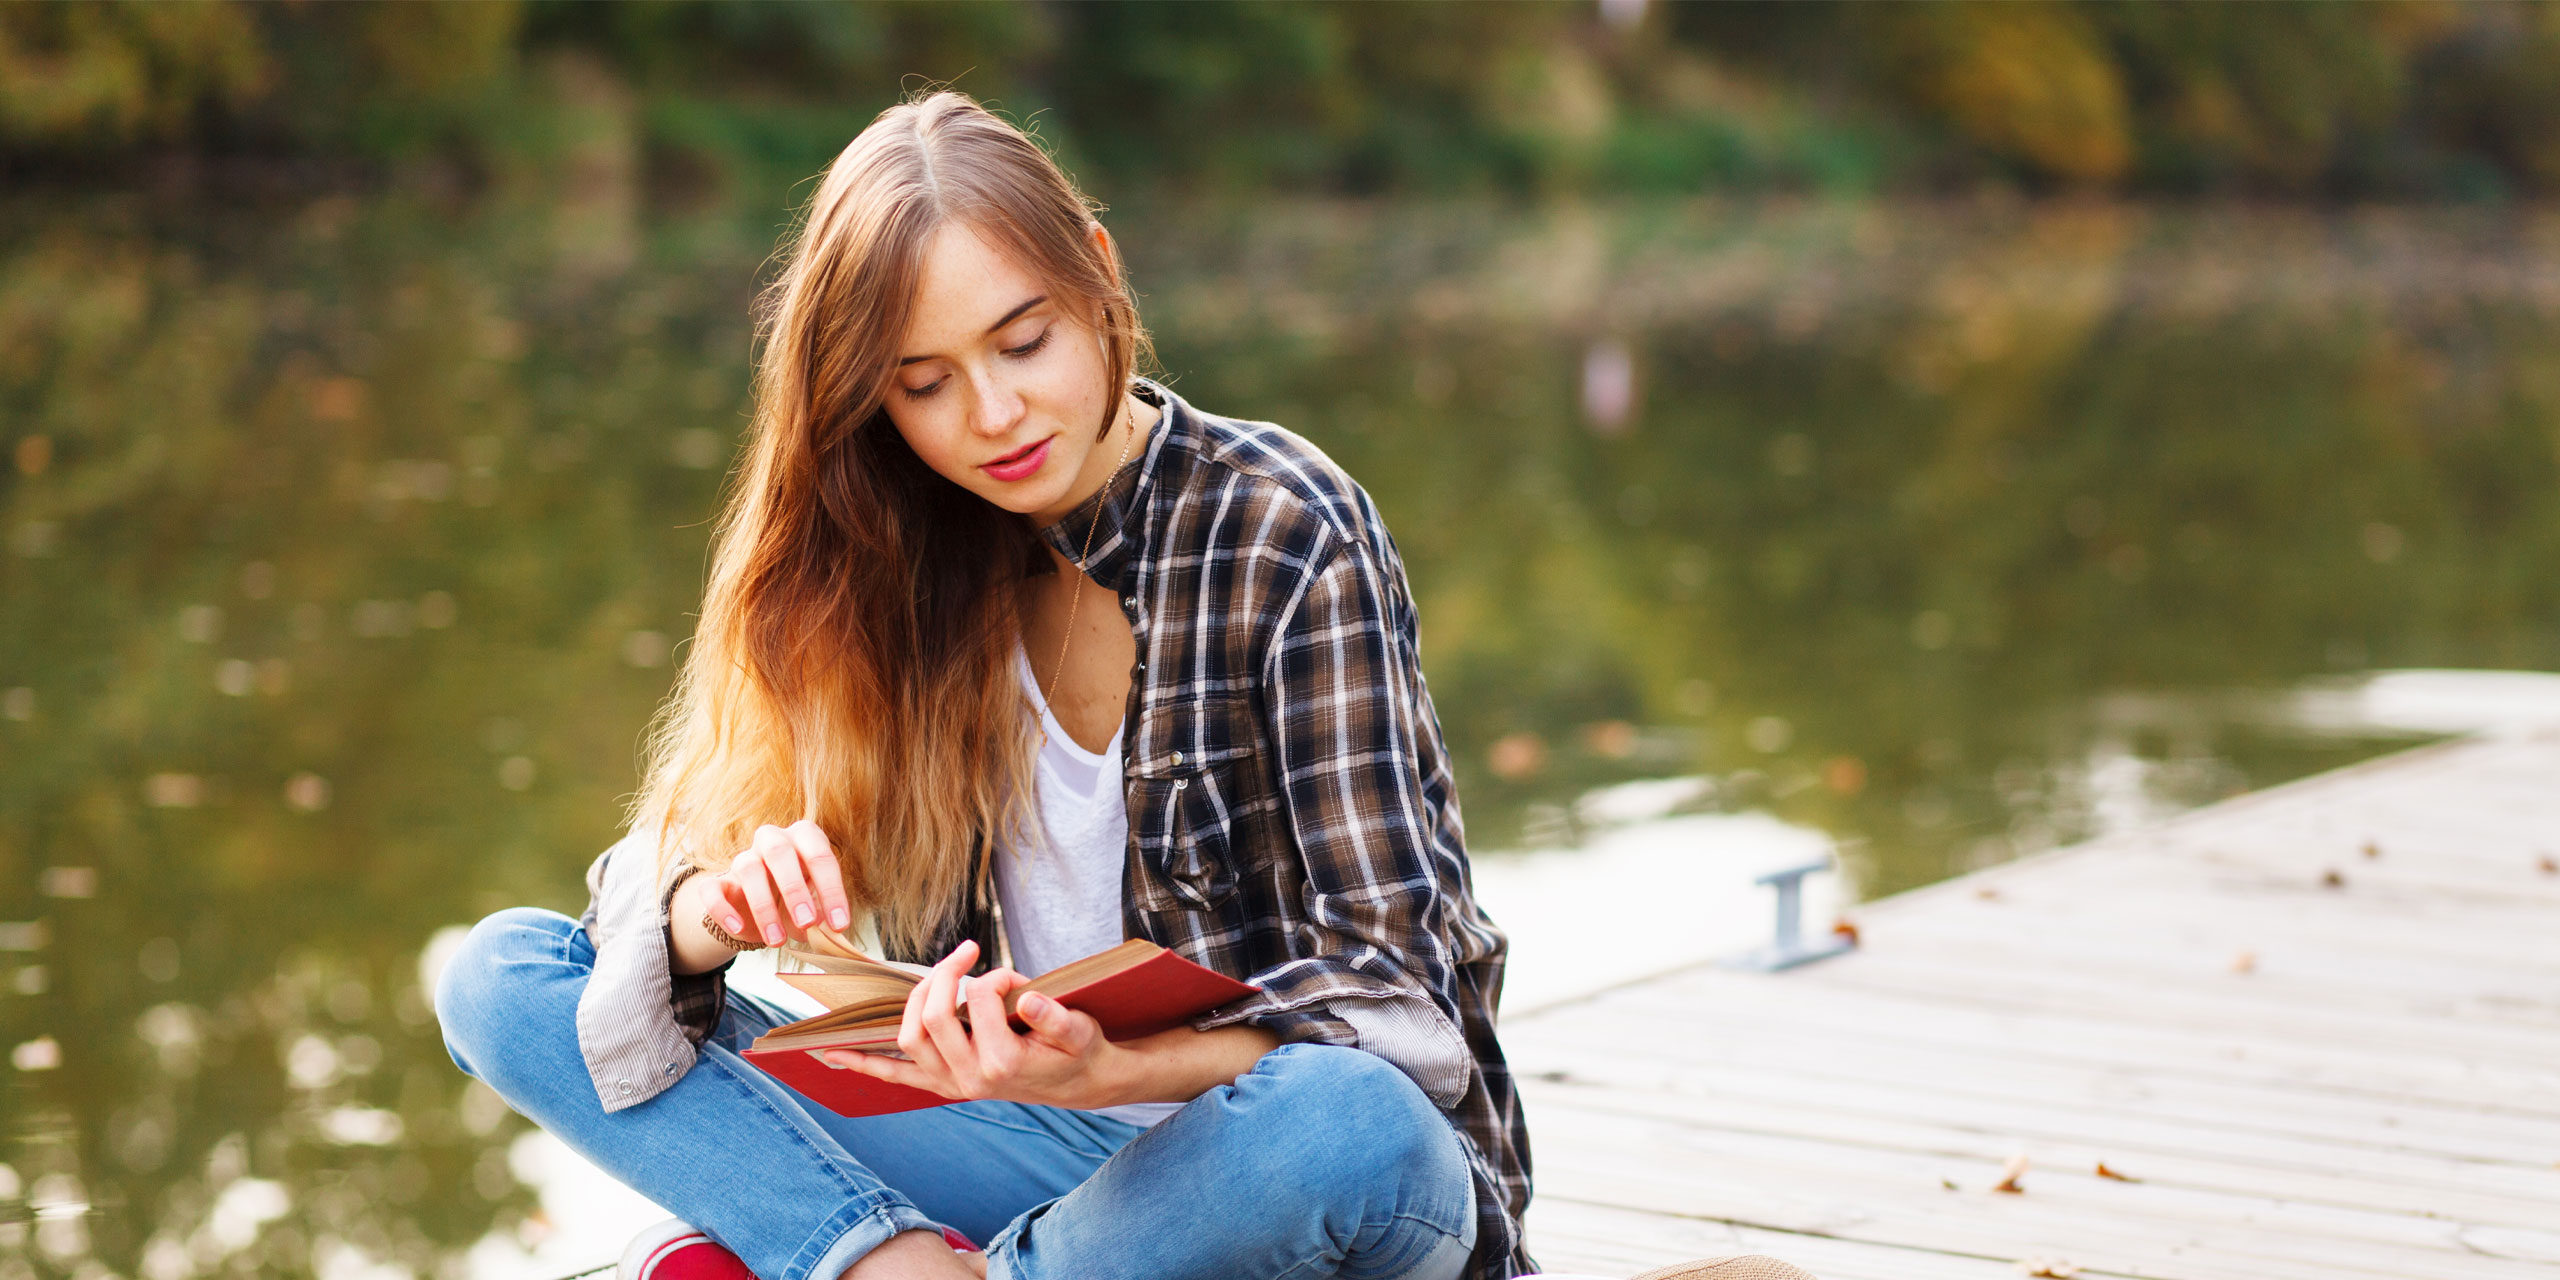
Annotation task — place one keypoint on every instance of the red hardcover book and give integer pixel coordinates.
(1134, 989)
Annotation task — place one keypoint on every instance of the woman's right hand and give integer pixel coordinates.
(779, 885)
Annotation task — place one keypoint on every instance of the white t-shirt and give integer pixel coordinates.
(1060, 888)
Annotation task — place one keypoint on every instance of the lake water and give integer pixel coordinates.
(348, 541)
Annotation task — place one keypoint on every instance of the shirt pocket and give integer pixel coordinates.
(1186, 838)
(1186, 797)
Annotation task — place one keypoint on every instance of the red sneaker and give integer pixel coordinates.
(673, 1250)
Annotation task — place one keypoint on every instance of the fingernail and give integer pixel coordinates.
(737, 925)
(772, 935)
(839, 919)
(1033, 1004)
(800, 916)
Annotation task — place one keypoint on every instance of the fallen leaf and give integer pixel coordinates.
(2372, 850)
(2245, 962)
(1989, 894)
(1845, 930)
(1949, 1184)
(2333, 879)
(2112, 1175)
(2050, 1268)
(2010, 1173)
(2550, 865)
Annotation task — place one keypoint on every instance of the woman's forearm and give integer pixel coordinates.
(691, 948)
(1182, 1064)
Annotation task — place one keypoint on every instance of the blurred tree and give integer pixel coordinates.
(120, 75)
(2404, 97)
(2028, 81)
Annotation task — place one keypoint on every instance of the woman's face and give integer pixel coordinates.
(999, 387)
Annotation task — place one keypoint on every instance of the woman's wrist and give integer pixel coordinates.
(691, 947)
(1119, 1075)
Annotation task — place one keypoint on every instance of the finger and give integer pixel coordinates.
(882, 1067)
(826, 875)
(999, 1050)
(942, 1011)
(722, 901)
(1001, 983)
(765, 914)
(756, 882)
(913, 1039)
(783, 864)
(1056, 1025)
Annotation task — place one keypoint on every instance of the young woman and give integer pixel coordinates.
(1011, 654)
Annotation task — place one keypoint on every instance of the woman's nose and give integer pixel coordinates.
(999, 406)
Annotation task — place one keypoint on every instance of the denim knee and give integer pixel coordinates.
(1385, 1131)
(479, 1000)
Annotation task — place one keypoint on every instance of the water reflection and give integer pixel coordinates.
(347, 546)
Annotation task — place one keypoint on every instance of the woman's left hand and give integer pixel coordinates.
(1063, 1061)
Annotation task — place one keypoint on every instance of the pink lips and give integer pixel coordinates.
(1018, 465)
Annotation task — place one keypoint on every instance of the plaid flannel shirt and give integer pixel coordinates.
(1292, 818)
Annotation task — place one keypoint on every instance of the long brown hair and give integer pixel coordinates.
(854, 662)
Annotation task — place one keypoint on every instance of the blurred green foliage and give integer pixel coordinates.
(2403, 98)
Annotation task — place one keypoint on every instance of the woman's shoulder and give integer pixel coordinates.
(1294, 486)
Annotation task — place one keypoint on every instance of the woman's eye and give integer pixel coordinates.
(1028, 348)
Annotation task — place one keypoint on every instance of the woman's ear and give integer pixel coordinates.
(1104, 247)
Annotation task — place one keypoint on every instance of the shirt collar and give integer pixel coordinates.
(1113, 521)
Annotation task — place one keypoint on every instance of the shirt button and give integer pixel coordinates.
(1177, 757)
(625, 1086)
(1131, 602)
(1142, 666)
(1180, 783)
(670, 1070)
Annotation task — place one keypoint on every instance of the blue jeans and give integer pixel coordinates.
(1321, 1161)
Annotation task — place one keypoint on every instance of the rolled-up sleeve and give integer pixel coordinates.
(1341, 693)
(639, 1022)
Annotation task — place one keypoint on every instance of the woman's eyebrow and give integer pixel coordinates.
(1018, 309)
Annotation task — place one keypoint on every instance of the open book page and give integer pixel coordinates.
(866, 998)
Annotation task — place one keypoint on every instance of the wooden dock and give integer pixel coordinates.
(2312, 1033)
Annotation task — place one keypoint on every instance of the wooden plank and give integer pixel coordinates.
(2484, 937)
(1571, 1235)
(2110, 1223)
(2309, 1007)
(2412, 1128)
(2142, 889)
(1746, 1005)
(1949, 980)
(1981, 1152)
(2378, 1096)
(2128, 1134)
(1642, 1166)
(2205, 949)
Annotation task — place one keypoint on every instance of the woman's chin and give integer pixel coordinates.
(1031, 501)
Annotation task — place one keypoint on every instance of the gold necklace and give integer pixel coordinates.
(1076, 602)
